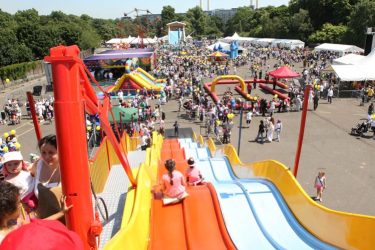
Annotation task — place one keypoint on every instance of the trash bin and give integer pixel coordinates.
(37, 90)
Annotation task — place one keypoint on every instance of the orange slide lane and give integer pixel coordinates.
(196, 223)
(167, 222)
(204, 225)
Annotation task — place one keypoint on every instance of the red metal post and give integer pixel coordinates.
(121, 127)
(302, 129)
(38, 132)
(71, 140)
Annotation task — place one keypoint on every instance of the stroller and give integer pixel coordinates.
(361, 128)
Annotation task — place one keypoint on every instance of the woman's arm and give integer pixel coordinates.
(64, 209)
(32, 168)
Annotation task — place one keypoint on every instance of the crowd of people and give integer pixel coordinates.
(12, 112)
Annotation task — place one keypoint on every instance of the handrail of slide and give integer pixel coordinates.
(211, 145)
(351, 231)
(194, 137)
(201, 140)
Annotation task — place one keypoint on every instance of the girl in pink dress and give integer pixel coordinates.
(173, 182)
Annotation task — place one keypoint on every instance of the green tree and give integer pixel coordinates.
(214, 25)
(197, 20)
(242, 21)
(6, 21)
(27, 17)
(10, 50)
(329, 33)
(105, 28)
(168, 15)
(324, 11)
(300, 25)
(362, 16)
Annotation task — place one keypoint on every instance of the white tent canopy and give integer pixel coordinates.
(265, 42)
(132, 40)
(224, 46)
(342, 49)
(114, 41)
(348, 59)
(361, 71)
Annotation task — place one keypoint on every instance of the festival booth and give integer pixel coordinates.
(219, 57)
(282, 72)
(341, 49)
(119, 59)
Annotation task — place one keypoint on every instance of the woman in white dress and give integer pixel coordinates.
(271, 128)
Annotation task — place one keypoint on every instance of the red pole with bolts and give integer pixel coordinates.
(71, 142)
(302, 128)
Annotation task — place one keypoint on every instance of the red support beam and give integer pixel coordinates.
(38, 132)
(302, 128)
(71, 140)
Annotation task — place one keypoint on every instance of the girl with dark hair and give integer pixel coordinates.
(173, 184)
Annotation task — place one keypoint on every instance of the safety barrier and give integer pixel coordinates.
(100, 167)
(344, 230)
(194, 136)
(201, 140)
(105, 158)
(135, 227)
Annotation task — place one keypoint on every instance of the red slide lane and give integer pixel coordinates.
(167, 222)
(167, 226)
(203, 229)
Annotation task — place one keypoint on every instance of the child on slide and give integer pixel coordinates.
(193, 174)
(173, 184)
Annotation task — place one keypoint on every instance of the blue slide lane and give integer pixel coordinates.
(255, 214)
(265, 204)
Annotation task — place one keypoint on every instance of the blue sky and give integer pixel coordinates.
(115, 8)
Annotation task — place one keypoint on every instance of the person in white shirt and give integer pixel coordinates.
(330, 95)
(120, 95)
(249, 116)
(278, 129)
